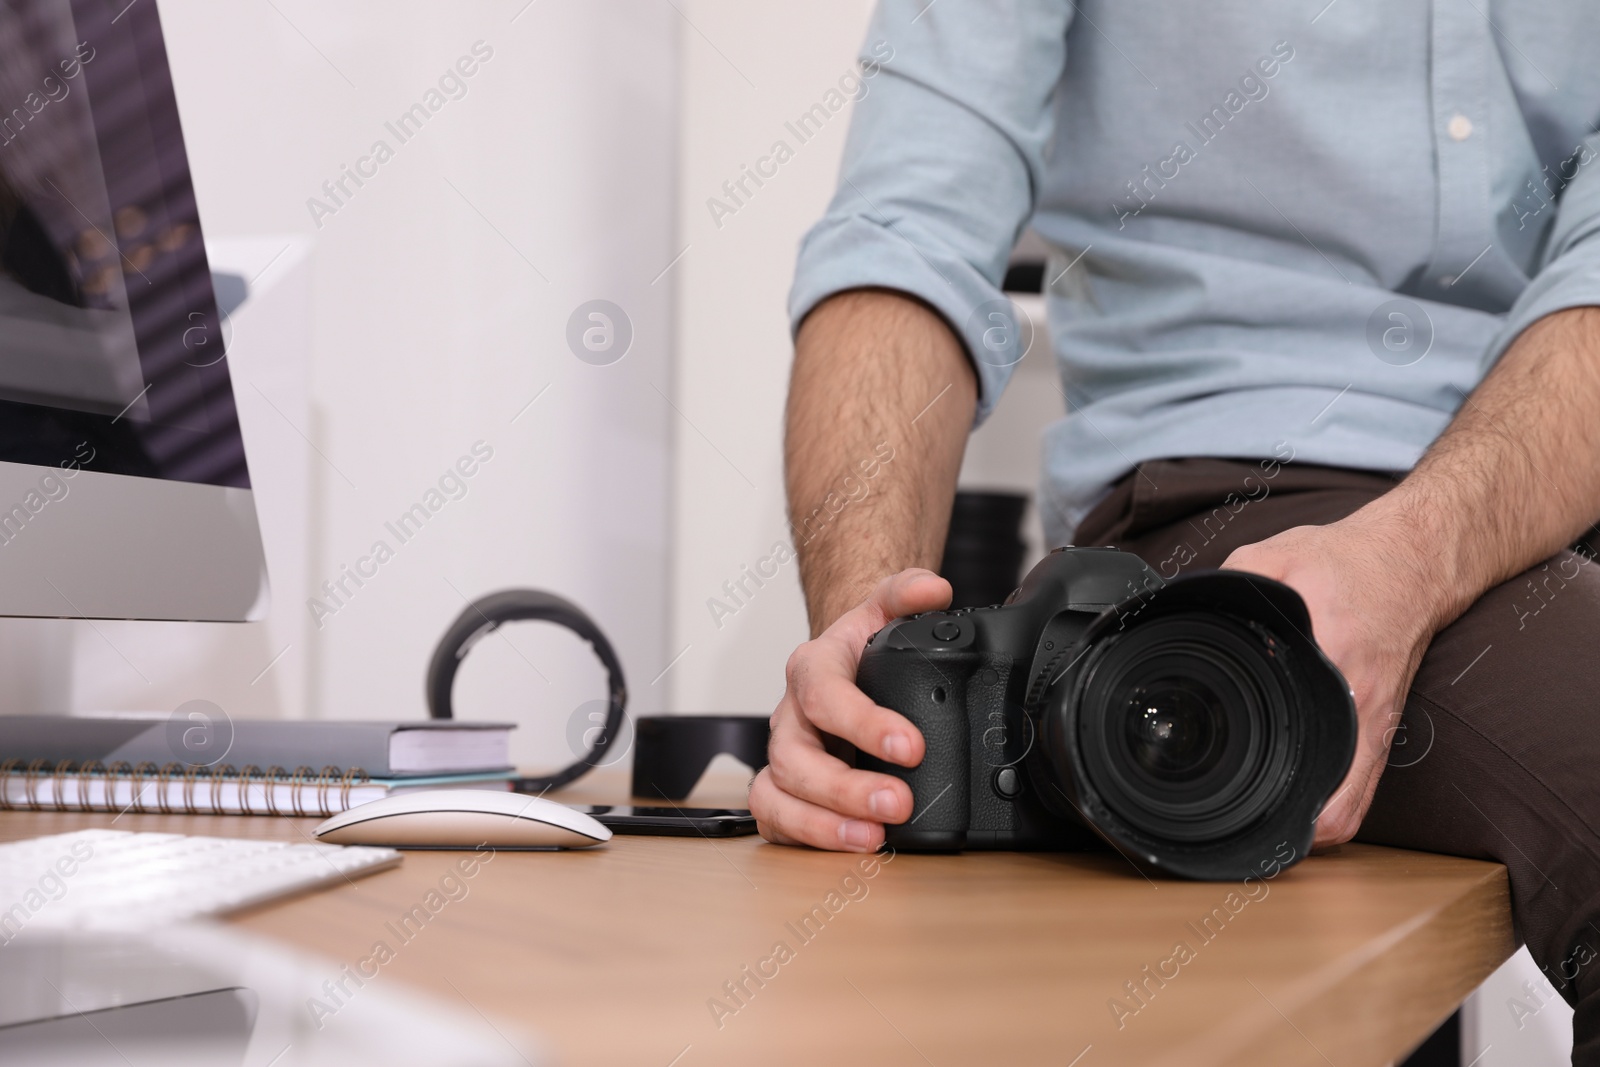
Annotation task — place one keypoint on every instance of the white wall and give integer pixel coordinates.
(1516, 1019)
(442, 292)
(749, 69)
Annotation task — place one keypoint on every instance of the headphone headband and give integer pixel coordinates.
(482, 617)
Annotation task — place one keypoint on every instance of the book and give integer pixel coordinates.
(211, 791)
(377, 749)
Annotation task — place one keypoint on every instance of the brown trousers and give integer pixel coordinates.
(1498, 753)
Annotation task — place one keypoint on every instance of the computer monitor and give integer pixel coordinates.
(123, 486)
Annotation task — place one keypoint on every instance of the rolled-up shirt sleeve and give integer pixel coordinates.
(943, 160)
(1569, 270)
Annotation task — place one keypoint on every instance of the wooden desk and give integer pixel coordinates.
(613, 955)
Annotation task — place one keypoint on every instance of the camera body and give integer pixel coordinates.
(1193, 723)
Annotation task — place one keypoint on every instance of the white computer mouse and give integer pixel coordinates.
(463, 818)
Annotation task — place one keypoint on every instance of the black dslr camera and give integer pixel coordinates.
(1193, 724)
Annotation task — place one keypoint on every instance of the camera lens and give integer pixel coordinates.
(1176, 727)
(1184, 727)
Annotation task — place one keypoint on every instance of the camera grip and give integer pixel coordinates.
(930, 691)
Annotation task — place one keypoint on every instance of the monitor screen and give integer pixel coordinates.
(111, 347)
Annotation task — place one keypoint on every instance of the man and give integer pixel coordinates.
(1353, 244)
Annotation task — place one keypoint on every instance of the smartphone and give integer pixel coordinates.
(673, 822)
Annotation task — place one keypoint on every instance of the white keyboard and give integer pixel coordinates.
(114, 880)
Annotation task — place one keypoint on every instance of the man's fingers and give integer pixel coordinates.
(1341, 817)
(821, 673)
(802, 768)
(785, 717)
(805, 795)
(907, 593)
(787, 820)
(832, 703)
(822, 692)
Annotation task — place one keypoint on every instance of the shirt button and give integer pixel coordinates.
(1459, 128)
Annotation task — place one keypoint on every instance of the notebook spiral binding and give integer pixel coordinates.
(195, 780)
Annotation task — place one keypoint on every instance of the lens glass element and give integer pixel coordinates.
(1183, 725)
(1177, 728)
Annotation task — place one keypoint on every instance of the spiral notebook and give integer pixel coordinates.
(123, 764)
(223, 790)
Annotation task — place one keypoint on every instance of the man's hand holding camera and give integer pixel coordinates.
(1374, 608)
(808, 796)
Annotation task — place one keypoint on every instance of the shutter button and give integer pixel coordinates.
(946, 630)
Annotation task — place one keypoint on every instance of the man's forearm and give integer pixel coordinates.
(1516, 475)
(876, 374)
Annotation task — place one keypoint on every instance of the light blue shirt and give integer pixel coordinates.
(1276, 227)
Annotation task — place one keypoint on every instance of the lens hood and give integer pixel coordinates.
(1251, 643)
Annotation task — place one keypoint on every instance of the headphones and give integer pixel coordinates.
(482, 617)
